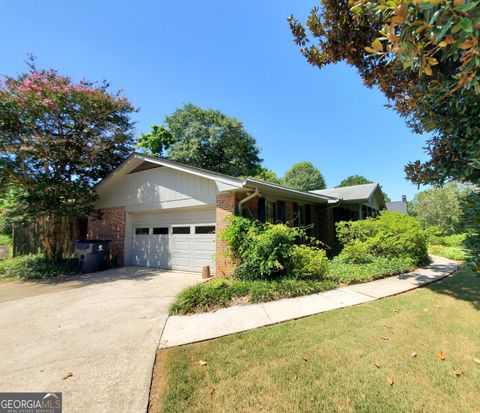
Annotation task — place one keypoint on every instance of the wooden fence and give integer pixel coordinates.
(26, 238)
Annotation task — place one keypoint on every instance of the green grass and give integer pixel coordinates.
(453, 253)
(226, 292)
(325, 363)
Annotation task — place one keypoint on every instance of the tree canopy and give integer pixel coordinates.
(268, 175)
(441, 208)
(57, 139)
(304, 176)
(424, 56)
(204, 138)
(353, 180)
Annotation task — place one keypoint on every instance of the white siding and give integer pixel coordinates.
(158, 188)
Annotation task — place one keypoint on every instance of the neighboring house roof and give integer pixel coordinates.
(354, 193)
(136, 160)
(398, 206)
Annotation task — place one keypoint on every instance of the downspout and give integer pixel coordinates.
(246, 199)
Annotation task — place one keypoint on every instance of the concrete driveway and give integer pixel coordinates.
(92, 338)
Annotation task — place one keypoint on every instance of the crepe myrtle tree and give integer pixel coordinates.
(57, 139)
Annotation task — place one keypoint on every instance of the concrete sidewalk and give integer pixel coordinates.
(181, 330)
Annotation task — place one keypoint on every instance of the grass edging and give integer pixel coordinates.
(223, 292)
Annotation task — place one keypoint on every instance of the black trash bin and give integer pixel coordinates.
(91, 254)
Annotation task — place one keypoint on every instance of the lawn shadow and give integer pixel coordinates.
(463, 285)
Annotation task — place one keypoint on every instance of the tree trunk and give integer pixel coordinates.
(53, 229)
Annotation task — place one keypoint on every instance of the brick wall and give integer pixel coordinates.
(250, 208)
(112, 227)
(226, 206)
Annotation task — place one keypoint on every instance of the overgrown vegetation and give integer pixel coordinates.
(272, 251)
(345, 272)
(36, 267)
(390, 235)
(226, 292)
(277, 261)
(5, 239)
(449, 246)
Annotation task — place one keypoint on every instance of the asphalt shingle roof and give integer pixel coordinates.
(349, 193)
(398, 206)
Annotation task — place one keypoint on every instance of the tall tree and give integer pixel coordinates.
(353, 180)
(424, 56)
(268, 175)
(441, 207)
(57, 139)
(207, 139)
(304, 176)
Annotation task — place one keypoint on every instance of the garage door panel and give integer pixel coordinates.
(186, 251)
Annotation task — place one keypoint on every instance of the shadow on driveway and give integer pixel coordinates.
(15, 289)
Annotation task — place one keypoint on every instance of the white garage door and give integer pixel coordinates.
(180, 240)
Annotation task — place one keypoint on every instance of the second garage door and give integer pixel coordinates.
(179, 240)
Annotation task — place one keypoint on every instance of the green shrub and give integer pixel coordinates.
(270, 249)
(5, 239)
(357, 252)
(262, 251)
(379, 267)
(308, 263)
(247, 271)
(36, 267)
(219, 293)
(391, 234)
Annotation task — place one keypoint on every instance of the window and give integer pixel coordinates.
(142, 231)
(295, 215)
(181, 230)
(271, 212)
(205, 229)
(308, 214)
(261, 210)
(281, 212)
(160, 231)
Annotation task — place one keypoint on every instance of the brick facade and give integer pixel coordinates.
(226, 206)
(111, 226)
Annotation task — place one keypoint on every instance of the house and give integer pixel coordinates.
(399, 206)
(160, 213)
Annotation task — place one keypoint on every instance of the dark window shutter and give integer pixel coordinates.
(261, 210)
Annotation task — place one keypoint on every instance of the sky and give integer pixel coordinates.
(236, 57)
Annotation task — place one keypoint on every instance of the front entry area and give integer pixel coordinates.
(182, 239)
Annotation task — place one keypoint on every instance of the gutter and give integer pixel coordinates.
(246, 199)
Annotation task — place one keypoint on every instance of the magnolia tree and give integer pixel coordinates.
(57, 139)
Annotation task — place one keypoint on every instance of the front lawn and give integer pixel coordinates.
(327, 362)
